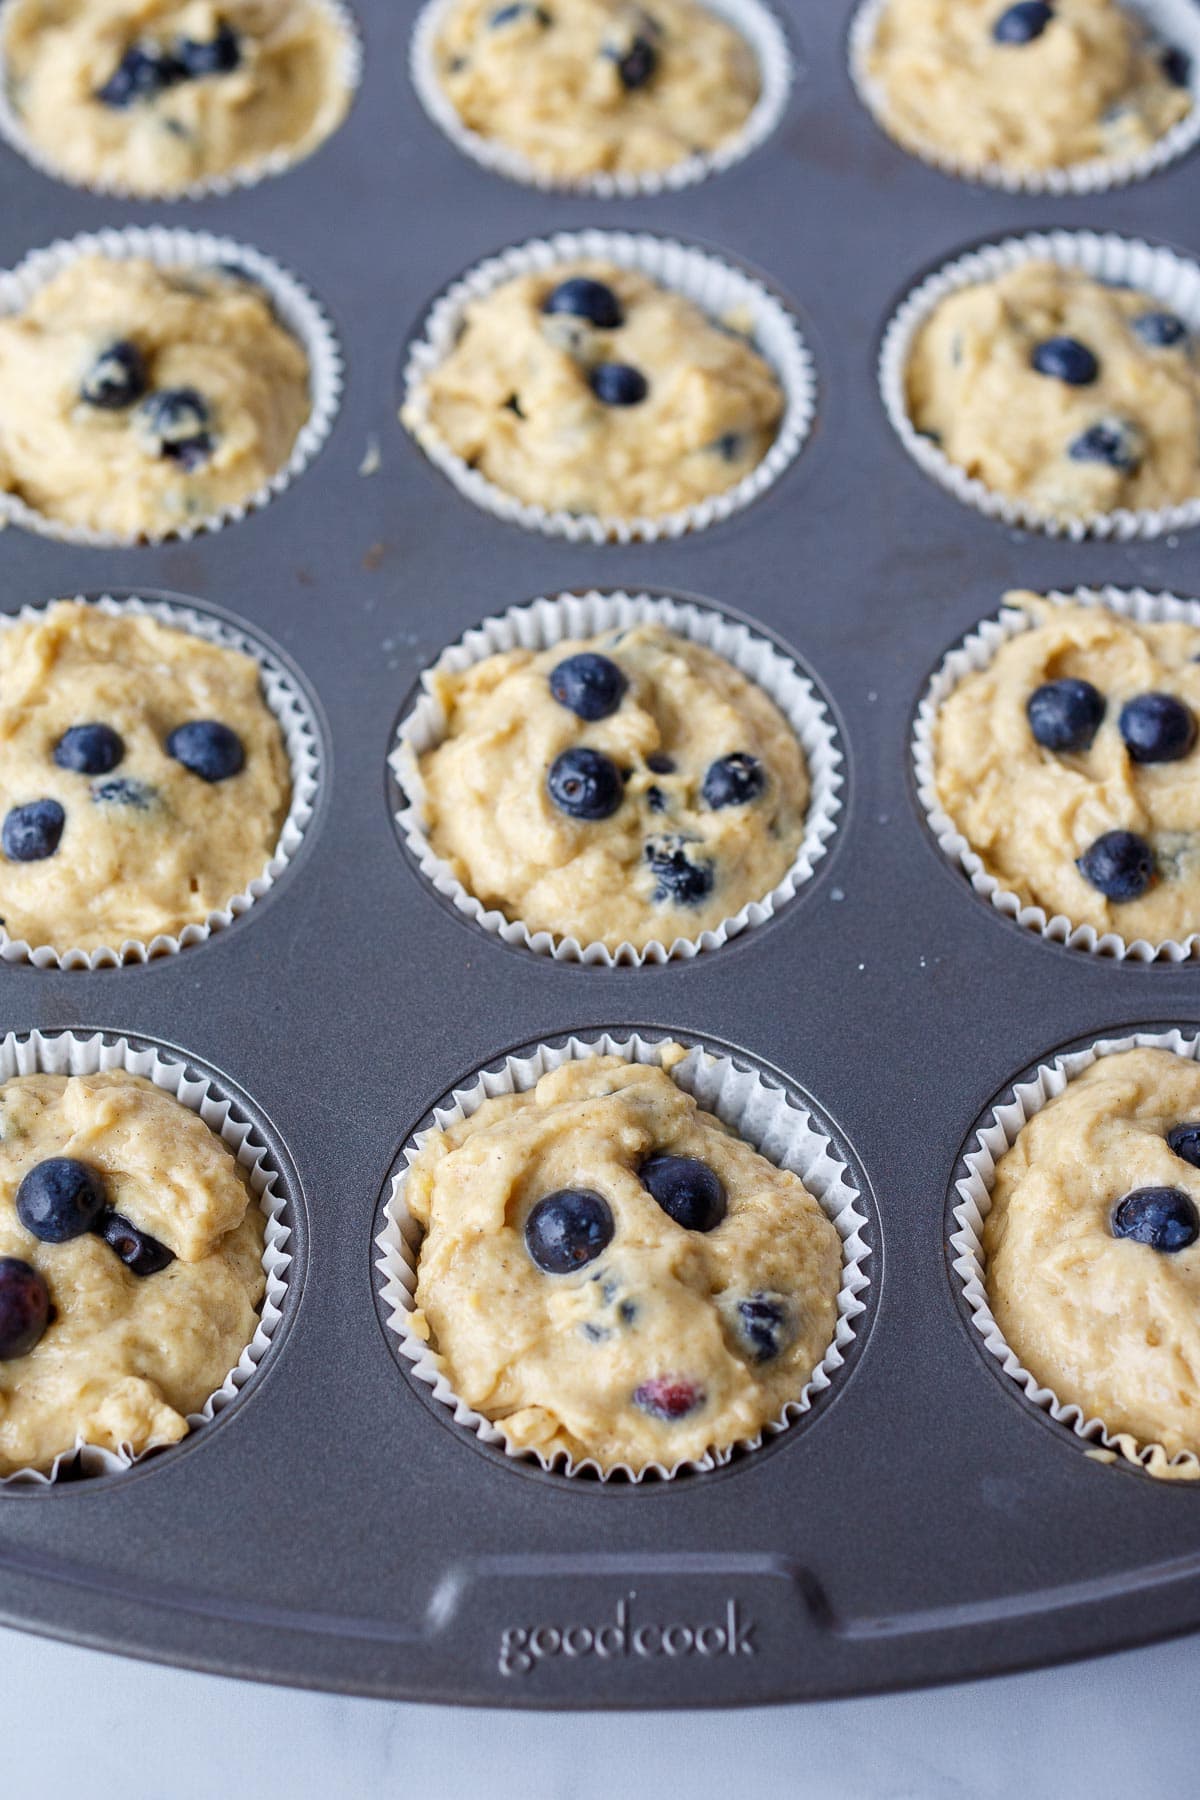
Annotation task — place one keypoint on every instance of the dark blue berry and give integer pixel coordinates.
(89, 749)
(1160, 330)
(635, 65)
(1164, 1218)
(733, 781)
(124, 791)
(140, 1252)
(1157, 728)
(582, 298)
(585, 784)
(1112, 442)
(668, 1397)
(656, 800)
(143, 73)
(1177, 66)
(618, 384)
(24, 1308)
(1066, 714)
(219, 56)
(764, 1324)
(676, 877)
(568, 1229)
(1066, 359)
(729, 446)
(508, 15)
(209, 749)
(117, 377)
(1120, 865)
(658, 764)
(588, 685)
(1022, 23)
(1184, 1140)
(173, 422)
(60, 1199)
(31, 832)
(688, 1191)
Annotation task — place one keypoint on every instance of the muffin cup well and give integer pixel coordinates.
(990, 1142)
(716, 287)
(295, 308)
(764, 1115)
(751, 18)
(1172, 280)
(301, 741)
(276, 162)
(545, 622)
(975, 652)
(1175, 22)
(34, 1053)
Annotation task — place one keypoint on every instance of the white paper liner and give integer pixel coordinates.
(975, 652)
(751, 18)
(276, 162)
(35, 1053)
(1175, 23)
(765, 1116)
(544, 622)
(715, 286)
(975, 1202)
(301, 740)
(1174, 281)
(294, 306)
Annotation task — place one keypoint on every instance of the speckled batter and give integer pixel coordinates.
(1129, 437)
(285, 92)
(513, 400)
(126, 1357)
(157, 462)
(167, 847)
(557, 1360)
(616, 880)
(1091, 85)
(546, 81)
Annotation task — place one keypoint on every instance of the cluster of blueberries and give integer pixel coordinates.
(174, 423)
(147, 69)
(1118, 443)
(1025, 23)
(1164, 1218)
(636, 58)
(209, 749)
(1065, 716)
(586, 784)
(58, 1200)
(580, 297)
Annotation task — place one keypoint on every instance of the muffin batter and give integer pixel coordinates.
(706, 781)
(148, 844)
(1058, 391)
(125, 1357)
(668, 1342)
(584, 87)
(154, 95)
(135, 399)
(527, 395)
(1108, 1323)
(1050, 86)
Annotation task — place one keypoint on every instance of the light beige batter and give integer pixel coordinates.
(971, 386)
(286, 95)
(710, 416)
(1091, 85)
(557, 1359)
(125, 1358)
(491, 818)
(546, 82)
(132, 870)
(106, 469)
(1108, 1324)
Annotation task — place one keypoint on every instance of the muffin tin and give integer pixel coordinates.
(334, 1527)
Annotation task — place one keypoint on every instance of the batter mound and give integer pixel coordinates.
(584, 87)
(117, 824)
(1100, 1299)
(152, 1302)
(155, 95)
(1058, 391)
(617, 789)
(572, 1307)
(135, 399)
(1026, 87)
(590, 389)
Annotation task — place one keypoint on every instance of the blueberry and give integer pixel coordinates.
(1160, 329)
(1023, 23)
(618, 384)
(1164, 1218)
(24, 1308)
(1066, 714)
(31, 832)
(142, 74)
(140, 1252)
(764, 1323)
(668, 1397)
(209, 749)
(1184, 1140)
(1177, 66)
(508, 15)
(568, 1229)
(688, 1191)
(173, 422)
(729, 446)
(117, 377)
(582, 298)
(1066, 359)
(588, 685)
(676, 877)
(656, 800)
(60, 1199)
(636, 65)
(733, 781)
(219, 56)
(1120, 864)
(123, 791)
(1157, 728)
(658, 764)
(89, 749)
(1113, 442)
(585, 784)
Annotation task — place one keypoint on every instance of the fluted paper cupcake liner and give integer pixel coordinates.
(1172, 280)
(545, 622)
(716, 287)
(974, 1189)
(751, 18)
(776, 1125)
(69, 1053)
(294, 307)
(1175, 23)
(975, 652)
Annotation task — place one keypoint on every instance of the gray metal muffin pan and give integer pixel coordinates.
(335, 1529)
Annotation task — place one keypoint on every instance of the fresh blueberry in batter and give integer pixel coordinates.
(174, 422)
(656, 800)
(688, 1191)
(1114, 442)
(1157, 728)
(89, 749)
(1120, 865)
(209, 749)
(1023, 23)
(636, 65)
(668, 1397)
(1177, 66)
(676, 877)
(618, 384)
(1066, 359)
(1160, 330)
(143, 73)
(31, 832)
(580, 297)
(24, 1308)
(588, 685)
(219, 56)
(508, 15)
(764, 1324)
(117, 377)
(140, 1252)
(568, 1229)
(729, 446)
(733, 780)
(658, 764)
(585, 784)
(1164, 1218)
(60, 1199)
(123, 790)
(1184, 1140)
(1066, 714)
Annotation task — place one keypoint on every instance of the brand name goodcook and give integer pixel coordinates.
(522, 1647)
